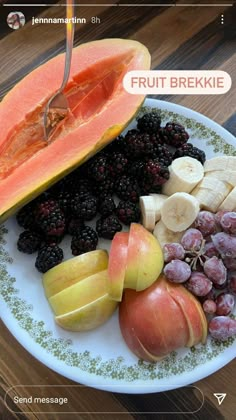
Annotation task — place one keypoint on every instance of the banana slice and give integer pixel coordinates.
(220, 163)
(210, 193)
(158, 200)
(179, 211)
(147, 207)
(226, 176)
(166, 236)
(229, 202)
(185, 174)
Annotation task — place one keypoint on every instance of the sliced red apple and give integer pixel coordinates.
(192, 311)
(134, 246)
(160, 319)
(151, 261)
(117, 265)
(74, 270)
(89, 316)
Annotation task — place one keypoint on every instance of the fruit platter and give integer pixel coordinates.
(120, 273)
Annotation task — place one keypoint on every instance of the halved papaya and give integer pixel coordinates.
(100, 109)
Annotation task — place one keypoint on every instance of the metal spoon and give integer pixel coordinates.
(57, 107)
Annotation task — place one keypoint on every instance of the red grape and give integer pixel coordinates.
(215, 270)
(222, 327)
(218, 216)
(199, 284)
(173, 251)
(209, 306)
(224, 304)
(206, 223)
(210, 250)
(225, 244)
(192, 239)
(230, 263)
(177, 271)
(232, 282)
(228, 222)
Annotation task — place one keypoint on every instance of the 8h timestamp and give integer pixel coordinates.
(95, 19)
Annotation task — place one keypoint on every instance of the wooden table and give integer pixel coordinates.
(183, 37)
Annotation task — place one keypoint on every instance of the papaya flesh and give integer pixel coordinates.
(99, 110)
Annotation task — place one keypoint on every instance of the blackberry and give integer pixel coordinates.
(98, 168)
(48, 257)
(25, 217)
(29, 242)
(128, 212)
(102, 189)
(84, 241)
(139, 144)
(75, 225)
(107, 227)
(86, 208)
(163, 155)
(189, 150)
(174, 134)
(135, 168)
(116, 145)
(146, 187)
(84, 187)
(149, 123)
(117, 164)
(69, 183)
(127, 188)
(64, 200)
(52, 240)
(154, 175)
(107, 206)
(57, 188)
(50, 218)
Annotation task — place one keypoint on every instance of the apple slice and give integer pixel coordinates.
(80, 294)
(193, 313)
(74, 270)
(133, 255)
(117, 265)
(145, 258)
(89, 316)
(151, 261)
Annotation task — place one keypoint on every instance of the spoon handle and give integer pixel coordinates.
(69, 41)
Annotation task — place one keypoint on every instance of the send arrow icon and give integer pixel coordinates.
(220, 398)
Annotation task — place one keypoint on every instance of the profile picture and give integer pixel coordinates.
(15, 20)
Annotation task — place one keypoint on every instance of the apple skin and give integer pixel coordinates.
(193, 313)
(117, 265)
(131, 273)
(153, 323)
(74, 270)
(151, 261)
(145, 258)
(88, 317)
(80, 294)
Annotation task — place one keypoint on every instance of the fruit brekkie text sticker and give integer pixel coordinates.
(179, 82)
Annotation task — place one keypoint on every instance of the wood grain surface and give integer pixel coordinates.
(178, 37)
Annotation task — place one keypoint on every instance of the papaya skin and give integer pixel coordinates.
(82, 136)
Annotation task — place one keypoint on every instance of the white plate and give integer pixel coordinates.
(100, 358)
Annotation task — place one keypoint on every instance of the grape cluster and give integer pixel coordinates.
(205, 262)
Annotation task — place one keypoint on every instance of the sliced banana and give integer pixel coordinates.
(158, 200)
(179, 211)
(210, 193)
(229, 202)
(166, 236)
(220, 163)
(185, 174)
(226, 176)
(147, 207)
